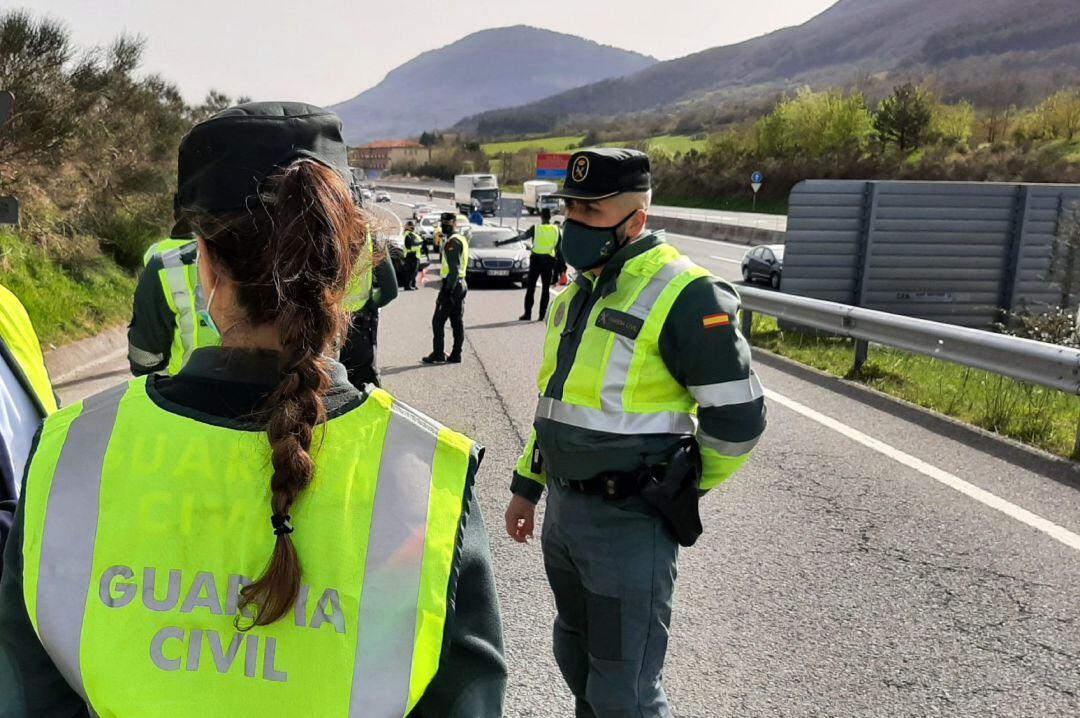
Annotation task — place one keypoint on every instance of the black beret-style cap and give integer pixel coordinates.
(602, 172)
(224, 160)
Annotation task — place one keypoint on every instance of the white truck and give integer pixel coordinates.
(480, 191)
(538, 196)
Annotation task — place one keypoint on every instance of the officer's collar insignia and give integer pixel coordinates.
(581, 168)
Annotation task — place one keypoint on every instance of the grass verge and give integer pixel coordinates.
(1039, 417)
(69, 294)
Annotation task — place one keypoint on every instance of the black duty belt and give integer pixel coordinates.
(611, 485)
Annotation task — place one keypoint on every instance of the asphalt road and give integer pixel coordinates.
(870, 560)
(758, 220)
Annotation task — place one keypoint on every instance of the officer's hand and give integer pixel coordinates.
(520, 519)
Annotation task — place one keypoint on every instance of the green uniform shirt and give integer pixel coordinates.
(694, 354)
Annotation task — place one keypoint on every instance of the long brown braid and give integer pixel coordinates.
(291, 260)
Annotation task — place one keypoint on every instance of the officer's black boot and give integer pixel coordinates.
(436, 358)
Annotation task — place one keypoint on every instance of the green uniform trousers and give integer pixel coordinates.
(611, 565)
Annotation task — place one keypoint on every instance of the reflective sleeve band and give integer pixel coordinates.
(143, 358)
(730, 449)
(615, 422)
(716, 469)
(728, 393)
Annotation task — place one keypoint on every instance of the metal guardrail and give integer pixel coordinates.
(1048, 365)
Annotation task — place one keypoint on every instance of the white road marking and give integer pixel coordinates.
(728, 259)
(984, 497)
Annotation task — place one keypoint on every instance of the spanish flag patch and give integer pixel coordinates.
(716, 320)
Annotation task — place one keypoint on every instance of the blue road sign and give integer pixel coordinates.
(757, 178)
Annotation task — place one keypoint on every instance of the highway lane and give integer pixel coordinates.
(739, 219)
(835, 578)
(721, 258)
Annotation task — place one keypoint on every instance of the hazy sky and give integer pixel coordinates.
(326, 51)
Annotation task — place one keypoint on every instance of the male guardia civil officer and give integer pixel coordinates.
(647, 400)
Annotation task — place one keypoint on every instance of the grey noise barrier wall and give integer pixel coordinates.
(965, 253)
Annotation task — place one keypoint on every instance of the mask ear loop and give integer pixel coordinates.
(620, 243)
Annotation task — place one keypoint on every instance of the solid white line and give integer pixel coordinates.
(984, 497)
(727, 259)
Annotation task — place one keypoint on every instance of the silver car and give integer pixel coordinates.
(495, 253)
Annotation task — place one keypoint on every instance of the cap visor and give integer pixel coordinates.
(582, 194)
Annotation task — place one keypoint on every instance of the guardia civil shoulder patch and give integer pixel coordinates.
(716, 320)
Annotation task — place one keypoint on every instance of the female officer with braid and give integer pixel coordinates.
(254, 535)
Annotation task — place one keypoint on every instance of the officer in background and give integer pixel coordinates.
(414, 251)
(544, 263)
(373, 288)
(26, 397)
(169, 318)
(450, 304)
(256, 489)
(647, 399)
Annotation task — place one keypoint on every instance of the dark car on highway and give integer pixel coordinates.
(764, 263)
(496, 254)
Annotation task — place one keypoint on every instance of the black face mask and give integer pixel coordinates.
(586, 247)
(448, 229)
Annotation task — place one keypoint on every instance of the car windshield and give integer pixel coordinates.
(429, 221)
(485, 193)
(486, 239)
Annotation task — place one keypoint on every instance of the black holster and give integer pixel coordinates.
(672, 490)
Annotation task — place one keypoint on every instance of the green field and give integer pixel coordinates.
(1040, 417)
(669, 143)
(67, 297)
(542, 144)
(673, 144)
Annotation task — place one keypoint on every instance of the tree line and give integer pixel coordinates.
(90, 150)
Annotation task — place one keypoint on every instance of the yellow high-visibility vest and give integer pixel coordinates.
(184, 295)
(17, 333)
(142, 525)
(444, 270)
(545, 239)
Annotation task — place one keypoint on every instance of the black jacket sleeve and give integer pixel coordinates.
(30, 684)
(384, 283)
(471, 680)
(705, 351)
(153, 323)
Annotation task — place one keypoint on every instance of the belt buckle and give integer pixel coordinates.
(611, 487)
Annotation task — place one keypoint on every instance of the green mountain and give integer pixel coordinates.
(963, 41)
(485, 70)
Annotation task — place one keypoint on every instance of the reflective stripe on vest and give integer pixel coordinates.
(463, 264)
(162, 246)
(545, 239)
(25, 349)
(134, 599)
(618, 383)
(181, 285)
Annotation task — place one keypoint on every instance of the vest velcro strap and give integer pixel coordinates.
(615, 422)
